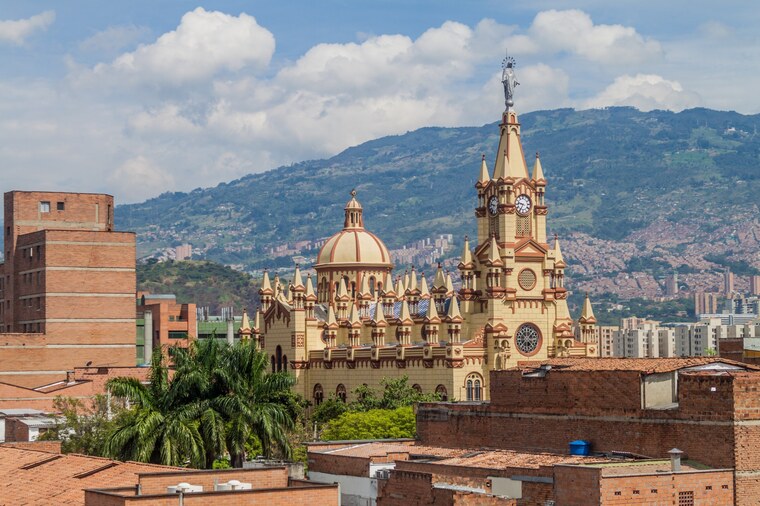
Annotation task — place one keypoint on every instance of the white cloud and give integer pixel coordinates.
(645, 92)
(136, 175)
(204, 44)
(114, 38)
(574, 31)
(16, 31)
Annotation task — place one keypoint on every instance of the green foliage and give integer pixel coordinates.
(329, 409)
(219, 398)
(738, 267)
(84, 425)
(204, 283)
(373, 424)
(372, 415)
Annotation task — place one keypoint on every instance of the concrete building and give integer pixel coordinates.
(633, 417)
(754, 285)
(604, 336)
(165, 323)
(728, 282)
(648, 340)
(671, 284)
(706, 303)
(356, 323)
(67, 287)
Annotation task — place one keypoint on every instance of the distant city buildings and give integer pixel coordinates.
(728, 282)
(183, 252)
(706, 303)
(671, 285)
(754, 285)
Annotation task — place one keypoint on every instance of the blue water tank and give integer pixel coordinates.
(580, 447)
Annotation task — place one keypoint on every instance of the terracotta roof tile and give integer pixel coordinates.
(55, 481)
(645, 365)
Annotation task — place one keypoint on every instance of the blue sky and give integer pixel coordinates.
(141, 97)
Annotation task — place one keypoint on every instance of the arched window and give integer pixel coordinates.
(319, 395)
(284, 362)
(353, 289)
(441, 392)
(278, 355)
(372, 285)
(417, 387)
(474, 387)
(341, 392)
(274, 366)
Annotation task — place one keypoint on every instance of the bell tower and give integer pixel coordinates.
(514, 279)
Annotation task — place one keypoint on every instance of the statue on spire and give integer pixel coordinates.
(508, 80)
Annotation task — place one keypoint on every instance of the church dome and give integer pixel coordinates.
(353, 246)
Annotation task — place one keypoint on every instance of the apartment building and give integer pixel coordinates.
(67, 287)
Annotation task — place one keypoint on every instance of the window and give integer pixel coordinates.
(340, 392)
(686, 498)
(177, 334)
(60, 206)
(284, 362)
(473, 385)
(278, 355)
(417, 388)
(319, 394)
(523, 226)
(440, 390)
(44, 206)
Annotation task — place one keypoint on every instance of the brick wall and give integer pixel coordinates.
(713, 488)
(40, 446)
(338, 464)
(15, 430)
(156, 483)
(404, 488)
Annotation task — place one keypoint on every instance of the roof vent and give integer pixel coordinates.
(184, 488)
(233, 485)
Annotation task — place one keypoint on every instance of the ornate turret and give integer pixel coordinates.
(424, 290)
(266, 293)
(364, 297)
(341, 300)
(354, 325)
(432, 322)
(331, 329)
(405, 323)
(587, 322)
(256, 330)
(378, 326)
(310, 298)
(298, 289)
(413, 292)
(245, 331)
(454, 321)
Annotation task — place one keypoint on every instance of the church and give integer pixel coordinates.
(353, 325)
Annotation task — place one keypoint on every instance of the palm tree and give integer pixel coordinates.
(157, 429)
(252, 402)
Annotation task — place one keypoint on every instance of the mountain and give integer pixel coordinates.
(204, 283)
(661, 189)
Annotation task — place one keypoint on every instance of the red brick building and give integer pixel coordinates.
(32, 476)
(67, 287)
(167, 323)
(632, 412)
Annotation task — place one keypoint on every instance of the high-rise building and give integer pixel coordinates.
(183, 252)
(754, 284)
(706, 303)
(67, 287)
(728, 282)
(671, 284)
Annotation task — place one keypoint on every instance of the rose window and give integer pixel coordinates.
(527, 339)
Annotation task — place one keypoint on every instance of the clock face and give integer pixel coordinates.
(522, 205)
(493, 205)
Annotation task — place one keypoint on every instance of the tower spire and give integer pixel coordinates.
(484, 177)
(538, 172)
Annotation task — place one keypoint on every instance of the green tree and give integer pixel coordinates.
(373, 424)
(84, 425)
(160, 427)
(329, 409)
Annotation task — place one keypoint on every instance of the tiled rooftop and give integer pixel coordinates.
(645, 365)
(489, 459)
(36, 478)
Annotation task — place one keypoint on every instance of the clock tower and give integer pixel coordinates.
(513, 280)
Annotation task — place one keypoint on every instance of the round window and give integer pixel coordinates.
(526, 279)
(527, 339)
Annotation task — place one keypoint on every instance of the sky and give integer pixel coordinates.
(143, 97)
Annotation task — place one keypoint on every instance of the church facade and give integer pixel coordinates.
(353, 324)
